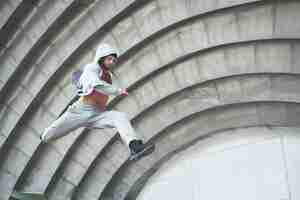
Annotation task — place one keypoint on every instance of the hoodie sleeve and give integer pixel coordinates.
(90, 80)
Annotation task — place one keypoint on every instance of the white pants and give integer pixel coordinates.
(84, 115)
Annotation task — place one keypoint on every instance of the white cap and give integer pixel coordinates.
(104, 50)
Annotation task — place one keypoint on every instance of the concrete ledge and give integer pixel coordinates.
(28, 196)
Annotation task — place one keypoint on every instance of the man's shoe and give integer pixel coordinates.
(144, 150)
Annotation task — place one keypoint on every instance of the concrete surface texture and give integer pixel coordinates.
(248, 163)
(196, 70)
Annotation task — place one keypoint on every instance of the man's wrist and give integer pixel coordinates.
(120, 90)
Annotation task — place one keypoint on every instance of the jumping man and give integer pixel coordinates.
(94, 87)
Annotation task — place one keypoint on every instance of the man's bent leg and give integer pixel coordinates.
(118, 120)
(66, 123)
(121, 122)
(58, 128)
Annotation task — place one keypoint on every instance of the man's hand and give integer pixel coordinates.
(124, 93)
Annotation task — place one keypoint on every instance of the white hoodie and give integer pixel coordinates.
(90, 77)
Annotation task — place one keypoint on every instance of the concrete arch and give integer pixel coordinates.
(263, 134)
(273, 41)
(223, 48)
(168, 120)
(64, 150)
(33, 104)
(22, 117)
(15, 13)
(117, 189)
(262, 70)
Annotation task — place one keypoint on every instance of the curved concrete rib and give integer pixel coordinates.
(200, 125)
(164, 118)
(231, 61)
(31, 90)
(264, 131)
(63, 147)
(30, 42)
(193, 55)
(36, 88)
(21, 10)
(262, 69)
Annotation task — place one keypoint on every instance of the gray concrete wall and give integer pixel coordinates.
(192, 68)
(247, 163)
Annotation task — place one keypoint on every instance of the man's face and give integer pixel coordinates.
(110, 61)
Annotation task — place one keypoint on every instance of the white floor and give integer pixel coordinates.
(249, 164)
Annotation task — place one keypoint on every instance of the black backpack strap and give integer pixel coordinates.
(70, 103)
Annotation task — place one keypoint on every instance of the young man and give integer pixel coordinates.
(94, 87)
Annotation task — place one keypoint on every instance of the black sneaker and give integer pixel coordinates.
(139, 150)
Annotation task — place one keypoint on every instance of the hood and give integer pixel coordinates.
(104, 50)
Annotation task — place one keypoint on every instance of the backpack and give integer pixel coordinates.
(75, 78)
(75, 82)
